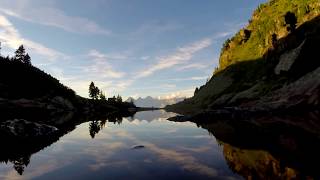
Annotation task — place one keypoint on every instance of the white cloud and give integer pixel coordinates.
(193, 66)
(100, 66)
(46, 14)
(11, 38)
(144, 58)
(194, 78)
(114, 56)
(97, 69)
(178, 94)
(181, 56)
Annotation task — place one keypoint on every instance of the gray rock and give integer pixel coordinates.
(60, 102)
(287, 59)
(304, 91)
(137, 147)
(25, 129)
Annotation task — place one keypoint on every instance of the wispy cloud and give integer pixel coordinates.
(181, 56)
(194, 78)
(111, 56)
(101, 67)
(44, 14)
(178, 94)
(192, 66)
(97, 68)
(11, 38)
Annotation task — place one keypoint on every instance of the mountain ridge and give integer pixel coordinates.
(149, 101)
(284, 76)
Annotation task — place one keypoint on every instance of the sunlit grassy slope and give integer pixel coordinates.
(251, 42)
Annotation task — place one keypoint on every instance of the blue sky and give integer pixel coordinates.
(161, 48)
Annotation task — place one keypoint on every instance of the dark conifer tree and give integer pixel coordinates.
(291, 21)
(196, 91)
(119, 98)
(20, 54)
(102, 96)
(92, 88)
(27, 59)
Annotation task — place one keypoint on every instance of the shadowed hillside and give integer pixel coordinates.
(283, 75)
(19, 80)
(26, 90)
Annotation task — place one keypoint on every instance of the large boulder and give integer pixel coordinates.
(305, 92)
(287, 60)
(21, 128)
(61, 103)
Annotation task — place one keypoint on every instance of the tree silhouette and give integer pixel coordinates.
(132, 102)
(102, 96)
(274, 39)
(20, 163)
(27, 59)
(93, 91)
(119, 99)
(291, 21)
(196, 91)
(20, 54)
(94, 128)
(112, 100)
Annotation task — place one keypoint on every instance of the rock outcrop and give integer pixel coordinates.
(287, 77)
(21, 128)
(303, 93)
(287, 60)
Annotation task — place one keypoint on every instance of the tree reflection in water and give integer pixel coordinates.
(96, 126)
(20, 164)
(253, 150)
(18, 150)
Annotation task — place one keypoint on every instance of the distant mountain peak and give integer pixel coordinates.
(149, 101)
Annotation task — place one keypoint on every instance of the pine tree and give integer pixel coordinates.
(27, 59)
(132, 101)
(93, 91)
(196, 91)
(96, 92)
(102, 96)
(20, 54)
(119, 99)
(291, 21)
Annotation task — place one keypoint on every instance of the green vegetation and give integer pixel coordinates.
(246, 72)
(272, 19)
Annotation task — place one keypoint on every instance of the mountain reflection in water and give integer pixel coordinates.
(216, 149)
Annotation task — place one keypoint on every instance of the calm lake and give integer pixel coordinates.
(146, 146)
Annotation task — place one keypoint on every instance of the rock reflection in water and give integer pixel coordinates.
(260, 149)
(19, 148)
(103, 147)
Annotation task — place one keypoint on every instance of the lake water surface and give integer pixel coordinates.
(147, 146)
(144, 147)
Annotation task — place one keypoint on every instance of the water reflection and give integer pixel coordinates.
(262, 150)
(101, 147)
(18, 150)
